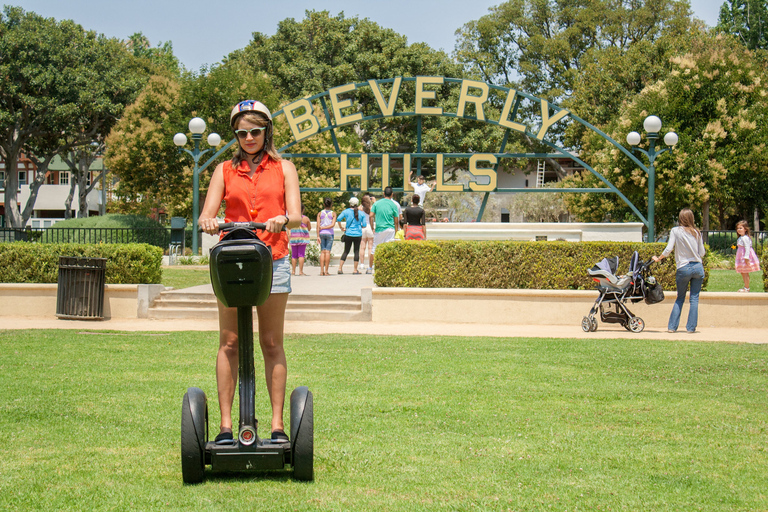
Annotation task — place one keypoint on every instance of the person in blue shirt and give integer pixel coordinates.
(354, 220)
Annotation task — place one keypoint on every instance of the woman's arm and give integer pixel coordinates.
(207, 220)
(670, 246)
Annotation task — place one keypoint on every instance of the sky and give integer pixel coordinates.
(205, 35)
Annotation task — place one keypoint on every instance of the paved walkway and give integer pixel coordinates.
(348, 284)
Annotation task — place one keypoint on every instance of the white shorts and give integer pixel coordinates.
(382, 237)
(367, 232)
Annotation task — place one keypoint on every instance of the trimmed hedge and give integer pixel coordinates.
(22, 262)
(508, 264)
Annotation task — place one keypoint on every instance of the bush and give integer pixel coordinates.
(108, 229)
(508, 264)
(22, 262)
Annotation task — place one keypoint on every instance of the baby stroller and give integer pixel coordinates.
(616, 291)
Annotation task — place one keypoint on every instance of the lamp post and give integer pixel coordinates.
(196, 127)
(652, 125)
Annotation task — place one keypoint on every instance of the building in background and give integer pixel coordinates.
(52, 196)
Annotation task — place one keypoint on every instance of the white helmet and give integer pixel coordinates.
(248, 106)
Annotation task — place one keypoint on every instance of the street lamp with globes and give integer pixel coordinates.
(196, 127)
(652, 125)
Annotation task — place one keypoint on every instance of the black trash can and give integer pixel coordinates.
(81, 288)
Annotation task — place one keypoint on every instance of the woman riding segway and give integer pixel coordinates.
(258, 186)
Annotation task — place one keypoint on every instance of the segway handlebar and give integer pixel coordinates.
(226, 226)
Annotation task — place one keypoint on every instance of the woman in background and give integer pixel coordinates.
(687, 243)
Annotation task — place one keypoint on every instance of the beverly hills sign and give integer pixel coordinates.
(303, 121)
(334, 109)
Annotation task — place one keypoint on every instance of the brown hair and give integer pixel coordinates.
(745, 225)
(258, 119)
(687, 221)
(365, 203)
(416, 199)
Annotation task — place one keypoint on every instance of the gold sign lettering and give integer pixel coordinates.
(295, 122)
(347, 171)
(337, 105)
(387, 107)
(482, 171)
(422, 94)
(465, 98)
(546, 121)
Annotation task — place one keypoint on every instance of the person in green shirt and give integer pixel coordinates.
(385, 214)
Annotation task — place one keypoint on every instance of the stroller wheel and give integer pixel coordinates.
(586, 324)
(636, 324)
(593, 322)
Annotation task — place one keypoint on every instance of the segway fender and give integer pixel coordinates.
(198, 408)
(299, 398)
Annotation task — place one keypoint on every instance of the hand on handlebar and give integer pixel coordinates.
(210, 226)
(276, 224)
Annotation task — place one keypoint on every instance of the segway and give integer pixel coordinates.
(241, 275)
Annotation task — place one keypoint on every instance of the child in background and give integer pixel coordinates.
(746, 259)
(400, 233)
(299, 238)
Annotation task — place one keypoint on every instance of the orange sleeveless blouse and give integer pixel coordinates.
(264, 194)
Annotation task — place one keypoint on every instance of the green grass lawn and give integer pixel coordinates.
(92, 421)
(184, 277)
(730, 281)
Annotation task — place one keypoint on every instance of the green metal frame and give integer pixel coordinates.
(418, 156)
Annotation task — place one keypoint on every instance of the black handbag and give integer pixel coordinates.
(654, 293)
(343, 238)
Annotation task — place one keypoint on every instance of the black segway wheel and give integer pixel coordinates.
(194, 435)
(302, 434)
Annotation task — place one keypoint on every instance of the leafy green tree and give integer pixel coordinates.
(63, 87)
(747, 20)
(160, 58)
(153, 173)
(537, 46)
(322, 51)
(714, 98)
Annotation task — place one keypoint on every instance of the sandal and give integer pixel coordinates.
(279, 435)
(339, 271)
(744, 290)
(356, 272)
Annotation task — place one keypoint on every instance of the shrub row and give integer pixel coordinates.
(508, 264)
(22, 262)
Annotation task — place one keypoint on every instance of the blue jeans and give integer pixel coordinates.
(326, 242)
(692, 273)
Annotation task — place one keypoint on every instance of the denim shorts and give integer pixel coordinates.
(326, 242)
(281, 275)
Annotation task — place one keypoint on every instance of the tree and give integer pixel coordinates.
(537, 46)
(79, 162)
(714, 99)
(63, 87)
(161, 58)
(747, 20)
(323, 51)
(153, 172)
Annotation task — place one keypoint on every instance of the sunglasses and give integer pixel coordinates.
(243, 134)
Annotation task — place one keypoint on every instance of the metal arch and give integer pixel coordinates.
(418, 155)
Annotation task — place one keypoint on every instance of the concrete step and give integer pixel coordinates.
(330, 308)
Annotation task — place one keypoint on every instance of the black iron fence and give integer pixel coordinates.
(160, 237)
(724, 242)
